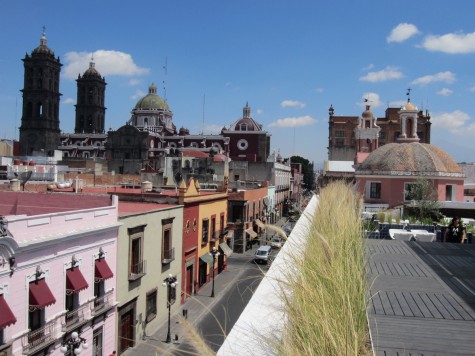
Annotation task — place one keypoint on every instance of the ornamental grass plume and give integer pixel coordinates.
(326, 306)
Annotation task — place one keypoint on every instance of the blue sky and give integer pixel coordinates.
(288, 59)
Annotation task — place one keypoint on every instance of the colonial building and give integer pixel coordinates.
(149, 247)
(57, 263)
(386, 175)
(348, 135)
(247, 140)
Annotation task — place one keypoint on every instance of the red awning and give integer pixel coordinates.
(6, 315)
(103, 270)
(40, 295)
(75, 281)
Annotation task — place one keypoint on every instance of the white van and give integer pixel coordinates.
(263, 254)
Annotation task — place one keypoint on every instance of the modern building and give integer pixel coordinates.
(57, 263)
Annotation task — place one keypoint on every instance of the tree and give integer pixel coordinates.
(307, 171)
(425, 204)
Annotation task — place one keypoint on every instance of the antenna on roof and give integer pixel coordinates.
(165, 69)
(203, 126)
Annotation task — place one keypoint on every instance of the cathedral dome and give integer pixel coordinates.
(246, 124)
(152, 101)
(409, 107)
(91, 71)
(43, 48)
(420, 158)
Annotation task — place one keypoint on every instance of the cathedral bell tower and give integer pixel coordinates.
(39, 131)
(366, 135)
(90, 109)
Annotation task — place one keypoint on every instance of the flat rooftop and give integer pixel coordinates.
(422, 297)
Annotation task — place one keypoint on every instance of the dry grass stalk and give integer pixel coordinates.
(326, 308)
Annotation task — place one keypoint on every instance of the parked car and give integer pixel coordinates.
(276, 242)
(263, 254)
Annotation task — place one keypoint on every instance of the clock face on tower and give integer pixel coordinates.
(242, 144)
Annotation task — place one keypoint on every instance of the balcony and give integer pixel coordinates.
(38, 339)
(75, 318)
(137, 271)
(103, 303)
(168, 256)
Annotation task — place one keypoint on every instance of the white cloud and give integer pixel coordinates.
(452, 43)
(292, 103)
(259, 111)
(445, 77)
(68, 101)
(294, 121)
(402, 32)
(445, 92)
(387, 73)
(319, 90)
(106, 62)
(138, 94)
(472, 89)
(455, 122)
(134, 82)
(372, 99)
(212, 129)
(368, 67)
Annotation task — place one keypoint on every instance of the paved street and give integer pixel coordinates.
(214, 317)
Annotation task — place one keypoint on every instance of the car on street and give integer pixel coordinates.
(276, 242)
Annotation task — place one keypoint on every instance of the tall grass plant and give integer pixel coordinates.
(326, 308)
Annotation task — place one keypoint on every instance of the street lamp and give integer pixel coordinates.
(74, 344)
(170, 283)
(214, 252)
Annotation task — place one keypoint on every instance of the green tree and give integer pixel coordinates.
(307, 171)
(425, 204)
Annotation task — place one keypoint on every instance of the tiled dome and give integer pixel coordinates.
(152, 101)
(409, 157)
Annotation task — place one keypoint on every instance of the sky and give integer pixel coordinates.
(289, 60)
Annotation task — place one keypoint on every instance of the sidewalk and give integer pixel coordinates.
(195, 307)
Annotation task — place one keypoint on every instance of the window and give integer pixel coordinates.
(136, 262)
(382, 135)
(339, 133)
(213, 227)
(339, 142)
(221, 224)
(449, 192)
(205, 230)
(97, 342)
(168, 252)
(151, 305)
(375, 190)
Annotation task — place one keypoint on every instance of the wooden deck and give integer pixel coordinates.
(422, 298)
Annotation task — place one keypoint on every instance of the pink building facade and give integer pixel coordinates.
(57, 264)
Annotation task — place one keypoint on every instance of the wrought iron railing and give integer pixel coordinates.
(74, 317)
(168, 255)
(36, 339)
(102, 303)
(137, 270)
